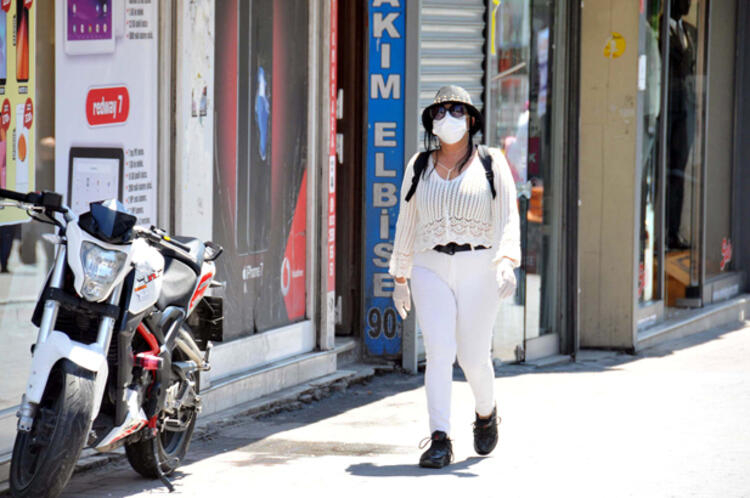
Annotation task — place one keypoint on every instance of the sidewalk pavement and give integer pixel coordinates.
(671, 421)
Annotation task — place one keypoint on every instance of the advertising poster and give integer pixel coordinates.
(106, 106)
(385, 166)
(17, 62)
(260, 184)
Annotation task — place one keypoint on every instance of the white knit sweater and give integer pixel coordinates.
(459, 210)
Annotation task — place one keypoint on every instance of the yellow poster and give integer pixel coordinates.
(17, 85)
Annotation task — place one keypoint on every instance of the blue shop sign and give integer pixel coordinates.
(385, 164)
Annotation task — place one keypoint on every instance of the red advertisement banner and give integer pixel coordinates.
(332, 151)
(107, 106)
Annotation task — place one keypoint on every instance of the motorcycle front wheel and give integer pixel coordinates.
(44, 458)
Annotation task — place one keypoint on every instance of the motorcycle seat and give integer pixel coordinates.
(178, 284)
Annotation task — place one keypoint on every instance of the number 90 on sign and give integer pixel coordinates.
(383, 322)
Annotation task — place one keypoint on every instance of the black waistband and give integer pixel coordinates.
(453, 248)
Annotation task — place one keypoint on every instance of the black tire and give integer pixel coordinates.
(43, 459)
(170, 446)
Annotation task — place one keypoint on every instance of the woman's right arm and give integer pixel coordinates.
(406, 229)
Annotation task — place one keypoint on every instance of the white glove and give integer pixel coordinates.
(506, 279)
(402, 299)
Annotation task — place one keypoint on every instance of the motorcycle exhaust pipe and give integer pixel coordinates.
(188, 346)
(169, 324)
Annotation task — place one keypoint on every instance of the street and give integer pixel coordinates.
(671, 421)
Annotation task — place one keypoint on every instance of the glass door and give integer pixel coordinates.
(684, 163)
(722, 280)
(672, 86)
(519, 111)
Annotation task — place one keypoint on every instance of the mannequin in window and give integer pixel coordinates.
(681, 125)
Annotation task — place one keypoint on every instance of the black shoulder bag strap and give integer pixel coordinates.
(419, 166)
(486, 158)
(421, 163)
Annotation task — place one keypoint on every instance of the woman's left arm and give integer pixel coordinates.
(505, 210)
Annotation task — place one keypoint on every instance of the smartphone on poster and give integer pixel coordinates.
(94, 174)
(90, 26)
(22, 41)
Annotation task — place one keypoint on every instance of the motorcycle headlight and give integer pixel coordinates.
(100, 268)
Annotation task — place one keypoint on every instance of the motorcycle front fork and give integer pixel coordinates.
(28, 409)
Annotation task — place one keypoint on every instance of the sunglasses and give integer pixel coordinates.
(438, 112)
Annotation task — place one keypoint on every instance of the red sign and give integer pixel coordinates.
(107, 106)
(333, 90)
(726, 253)
(6, 5)
(28, 113)
(27, 3)
(5, 115)
(293, 266)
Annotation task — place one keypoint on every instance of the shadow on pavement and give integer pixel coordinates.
(457, 469)
(253, 436)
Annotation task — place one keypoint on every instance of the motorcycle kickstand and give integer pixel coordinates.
(159, 472)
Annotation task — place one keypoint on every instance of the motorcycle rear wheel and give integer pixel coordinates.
(171, 450)
(169, 447)
(43, 459)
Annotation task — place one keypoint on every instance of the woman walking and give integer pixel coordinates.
(457, 240)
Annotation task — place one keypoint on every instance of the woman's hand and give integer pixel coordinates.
(402, 297)
(506, 279)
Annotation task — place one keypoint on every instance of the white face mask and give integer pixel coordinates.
(449, 129)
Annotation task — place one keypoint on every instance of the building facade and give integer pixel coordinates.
(662, 165)
(280, 129)
(624, 125)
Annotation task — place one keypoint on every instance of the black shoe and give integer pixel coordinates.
(485, 433)
(440, 452)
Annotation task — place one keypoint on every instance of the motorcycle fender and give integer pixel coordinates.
(59, 346)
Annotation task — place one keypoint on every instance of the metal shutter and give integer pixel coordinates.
(451, 50)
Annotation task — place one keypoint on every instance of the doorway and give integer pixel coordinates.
(525, 100)
(352, 24)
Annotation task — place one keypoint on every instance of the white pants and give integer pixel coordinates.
(456, 301)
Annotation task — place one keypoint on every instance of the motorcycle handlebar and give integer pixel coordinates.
(45, 199)
(13, 196)
(158, 238)
(176, 243)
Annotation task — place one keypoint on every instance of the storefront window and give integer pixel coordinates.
(520, 66)
(24, 257)
(651, 62)
(719, 252)
(684, 150)
(260, 206)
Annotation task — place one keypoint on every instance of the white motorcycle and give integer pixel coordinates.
(125, 328)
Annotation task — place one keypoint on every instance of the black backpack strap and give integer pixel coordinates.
(486, 158)
(420, 163)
